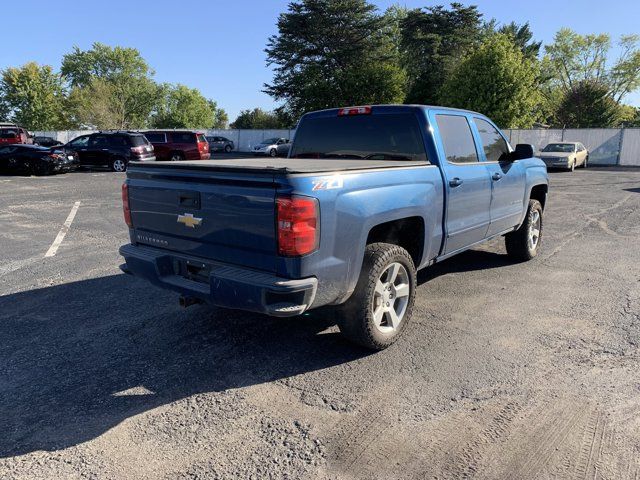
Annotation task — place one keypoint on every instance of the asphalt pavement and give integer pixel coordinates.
(508, 370)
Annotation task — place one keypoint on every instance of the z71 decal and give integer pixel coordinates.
(327, 183)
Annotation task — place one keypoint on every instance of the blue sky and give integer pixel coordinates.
(217, 46)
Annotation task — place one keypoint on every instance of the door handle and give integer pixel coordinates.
(496, 176)
(455, 182)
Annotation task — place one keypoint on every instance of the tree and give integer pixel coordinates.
(573, 58)
(119, 76)
(184, 107)
(220, 117)
(497, 80)
(589, 105)
(33, 96)
(259, 119)
(434, 40)
(522, 36)
(330, 53)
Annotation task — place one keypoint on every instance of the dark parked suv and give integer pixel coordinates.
(112, 149)
(179, 145)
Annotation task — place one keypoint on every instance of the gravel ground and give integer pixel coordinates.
(526, 371)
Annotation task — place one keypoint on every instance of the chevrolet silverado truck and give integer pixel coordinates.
(367, 196)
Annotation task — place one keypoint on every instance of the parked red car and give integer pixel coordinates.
(11, 133)
(179, 145)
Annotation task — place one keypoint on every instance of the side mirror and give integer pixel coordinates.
(522, 151)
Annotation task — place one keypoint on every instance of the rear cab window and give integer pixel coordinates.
(382, 136)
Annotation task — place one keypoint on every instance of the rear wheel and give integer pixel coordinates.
(524, 243)
(118, 165)
(381, 305)
(176, 156)
(42, 168)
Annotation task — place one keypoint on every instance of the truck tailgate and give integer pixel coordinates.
(220, 216)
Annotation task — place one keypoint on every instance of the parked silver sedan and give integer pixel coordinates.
(274, 147)
(220, 144)
(565, 155)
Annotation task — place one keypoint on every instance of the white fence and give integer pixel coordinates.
(607, 146)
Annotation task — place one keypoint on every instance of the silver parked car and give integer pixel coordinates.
(220, 144)
(566, 155)
(274, 147)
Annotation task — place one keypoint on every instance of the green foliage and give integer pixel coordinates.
(112, 87)
(522, 36)
(332, 53)
(573, 58)
(33, 96)
(112, 64)
(434, 40)
(588, 105)
(184, 107)
(220, 116)
(259, 119)
(496, 79)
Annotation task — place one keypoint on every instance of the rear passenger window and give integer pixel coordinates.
(495, 148)
(156, 137)
(119, 141)
(183, 137)
(457, 139)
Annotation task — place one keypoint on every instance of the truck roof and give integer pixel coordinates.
(389, 108)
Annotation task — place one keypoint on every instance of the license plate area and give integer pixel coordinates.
(194, 271)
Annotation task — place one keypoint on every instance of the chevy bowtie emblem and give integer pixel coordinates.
(189, 220)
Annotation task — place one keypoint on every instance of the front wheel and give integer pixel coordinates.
(524, 243)
(273, 152)
(381, 305)
(584, 165)
(227, 149)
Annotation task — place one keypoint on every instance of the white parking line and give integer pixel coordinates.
(63, 231)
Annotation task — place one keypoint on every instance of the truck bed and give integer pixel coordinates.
(281, 165)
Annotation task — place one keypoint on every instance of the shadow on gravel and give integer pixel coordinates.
(79, 358)
(468, 261)
(633, 190)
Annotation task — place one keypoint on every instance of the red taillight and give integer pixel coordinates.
(125, 205)
(137, 150)
(354, 111)
(298, 225)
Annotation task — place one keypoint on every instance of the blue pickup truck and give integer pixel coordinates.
(367, 196)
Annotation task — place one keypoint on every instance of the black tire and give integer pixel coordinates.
(42, 168)
(227, 148)
(176, 156)
(584, 165)
(518, 245)
(118, 165)
(356, 316)
(273, 153)
(572, 167)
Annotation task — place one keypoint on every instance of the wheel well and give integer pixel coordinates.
(407, 233)
(539, 192)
